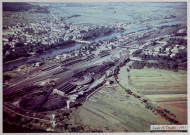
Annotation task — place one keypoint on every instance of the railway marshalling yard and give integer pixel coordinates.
(66, 96)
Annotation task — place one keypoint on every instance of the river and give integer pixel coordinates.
(49, 53)
(57, 51)
(131, 30)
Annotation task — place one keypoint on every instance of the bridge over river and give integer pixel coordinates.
(82, 42)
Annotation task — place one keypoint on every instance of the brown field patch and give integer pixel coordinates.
(160, 87)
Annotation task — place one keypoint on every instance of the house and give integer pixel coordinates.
(175, 50)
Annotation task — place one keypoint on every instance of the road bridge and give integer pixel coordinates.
(82, 42)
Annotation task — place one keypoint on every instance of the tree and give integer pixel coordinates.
(138, 65)
(137, 53)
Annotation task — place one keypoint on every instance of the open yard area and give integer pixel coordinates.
(165, 89)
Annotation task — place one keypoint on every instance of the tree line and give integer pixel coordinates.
(160, 65)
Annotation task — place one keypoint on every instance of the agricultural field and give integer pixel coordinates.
(165, 89)
(96, 13)
(111, 109)
(9, 18)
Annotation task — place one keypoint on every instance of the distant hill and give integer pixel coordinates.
(23, 6)
(16, 6)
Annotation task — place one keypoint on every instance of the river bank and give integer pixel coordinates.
(50, 53)
(15, 63)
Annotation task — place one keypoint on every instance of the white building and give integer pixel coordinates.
(68, 104)
(108, 82)
(56, 91)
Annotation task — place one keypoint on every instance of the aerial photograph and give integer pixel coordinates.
(94, 67)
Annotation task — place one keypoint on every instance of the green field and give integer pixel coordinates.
(164, 88)
(111, 109)
(27, 17)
